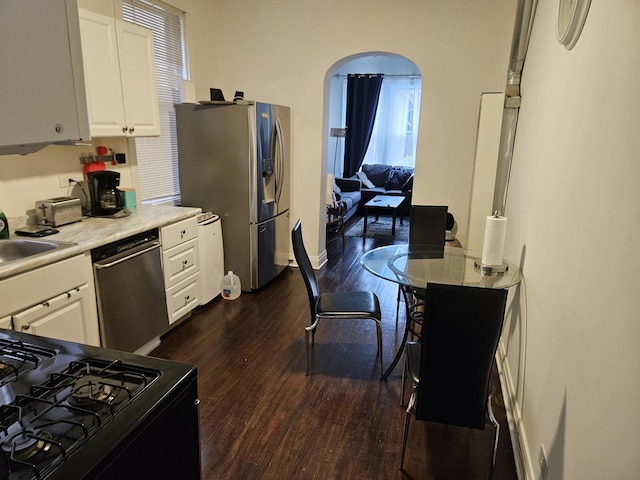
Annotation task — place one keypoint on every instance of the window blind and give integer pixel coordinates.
(158, 156)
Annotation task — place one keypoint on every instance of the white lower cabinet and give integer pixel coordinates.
(183, 297)
(55, 301)
(59, 317)
(181, 267)
(6, 323)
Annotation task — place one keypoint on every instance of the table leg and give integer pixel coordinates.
(366, 214)
(396, 359)
(393, 223)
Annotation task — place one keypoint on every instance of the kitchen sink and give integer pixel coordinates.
(19, 249)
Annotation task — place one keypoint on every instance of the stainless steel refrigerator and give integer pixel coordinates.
(234, 161)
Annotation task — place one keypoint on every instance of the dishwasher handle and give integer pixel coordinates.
(126, 255)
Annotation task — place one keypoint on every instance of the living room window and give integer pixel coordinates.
(395, 130)
(158, 156)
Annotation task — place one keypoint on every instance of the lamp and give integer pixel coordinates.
(338, 133)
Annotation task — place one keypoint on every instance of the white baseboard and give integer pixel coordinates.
(321, 260)
(316, 262)
(524, 466)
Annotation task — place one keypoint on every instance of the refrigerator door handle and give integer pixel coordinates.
(280, 160)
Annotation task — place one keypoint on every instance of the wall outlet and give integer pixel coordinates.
(63, 181)
(544, 465)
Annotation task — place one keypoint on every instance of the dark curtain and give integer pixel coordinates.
(363, 92)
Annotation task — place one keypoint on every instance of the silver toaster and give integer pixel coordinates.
(58, 211)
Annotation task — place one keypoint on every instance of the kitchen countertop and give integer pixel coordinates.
(93, 232)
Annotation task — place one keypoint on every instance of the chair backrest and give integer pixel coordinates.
(462, 327)
(302, 259)
(427, 225)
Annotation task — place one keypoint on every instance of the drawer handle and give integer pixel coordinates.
(186, 299)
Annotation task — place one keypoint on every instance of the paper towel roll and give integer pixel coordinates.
(493, 247)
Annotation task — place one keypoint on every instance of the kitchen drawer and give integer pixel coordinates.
(34, 286)
(180, 262)
(6, 323)
(179, 232)
(59, 317)
(183, 297)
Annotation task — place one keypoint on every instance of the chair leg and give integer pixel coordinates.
(306, 349)
(379, 335)
(496, 435)
(311, 328)
(403, 385)
(398, 306)
(405, 429)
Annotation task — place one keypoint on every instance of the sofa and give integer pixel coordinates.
(378, 179)
(348, 191)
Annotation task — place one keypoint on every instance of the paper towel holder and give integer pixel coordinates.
(489, 269)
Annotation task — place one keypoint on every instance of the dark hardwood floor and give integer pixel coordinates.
(262, 418)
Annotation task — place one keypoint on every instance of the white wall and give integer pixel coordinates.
(24, 179)
(573, 210)
(280, 51)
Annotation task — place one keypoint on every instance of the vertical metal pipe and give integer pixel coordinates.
(525, 13)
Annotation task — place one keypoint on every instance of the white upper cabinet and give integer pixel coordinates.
(120, 78)
(42, 94)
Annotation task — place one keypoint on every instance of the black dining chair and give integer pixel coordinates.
(427, 226)
(450, 368)
(333, 305)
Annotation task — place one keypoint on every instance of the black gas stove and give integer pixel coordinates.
(70, 411)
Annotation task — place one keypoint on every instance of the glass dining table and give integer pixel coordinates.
(416, 265)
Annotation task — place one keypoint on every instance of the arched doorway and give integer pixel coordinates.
(402, 80)
(393, 140)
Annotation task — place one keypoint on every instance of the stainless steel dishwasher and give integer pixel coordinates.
(132, 310)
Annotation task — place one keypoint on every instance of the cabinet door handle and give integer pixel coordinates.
(124, 129)
(132, 129)
(26, 327)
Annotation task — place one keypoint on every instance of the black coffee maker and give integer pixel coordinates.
(106, 198)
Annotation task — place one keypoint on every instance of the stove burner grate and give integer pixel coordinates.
(17, 357)
(26, 444)
(41, 428)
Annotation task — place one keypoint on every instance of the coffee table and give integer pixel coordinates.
(384, 202)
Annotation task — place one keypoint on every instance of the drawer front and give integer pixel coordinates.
(180, 262)
(179, 232)
(59, 317)
(32, 287)
(6, 323)
(183, 297)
